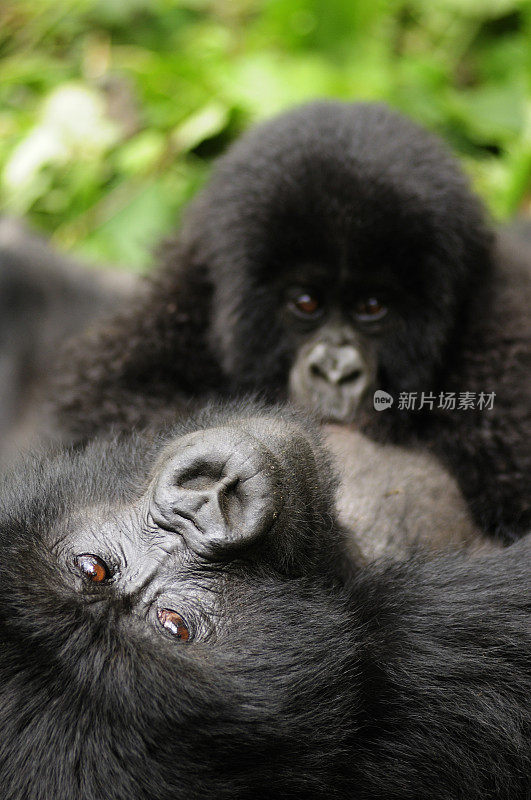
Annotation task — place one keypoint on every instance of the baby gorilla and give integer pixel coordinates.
(336, 251)
(178, 620)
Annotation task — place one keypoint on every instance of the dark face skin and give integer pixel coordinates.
(343, 323)
(336, 360)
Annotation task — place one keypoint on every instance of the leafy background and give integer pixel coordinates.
(111, 111)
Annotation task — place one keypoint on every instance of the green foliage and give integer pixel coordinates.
(112, 110)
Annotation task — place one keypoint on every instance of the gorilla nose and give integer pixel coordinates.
(336, 365)
(218, 489)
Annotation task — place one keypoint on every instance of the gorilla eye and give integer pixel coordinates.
(92, 567)
(174, 623)
(305, 303)
(370, 310)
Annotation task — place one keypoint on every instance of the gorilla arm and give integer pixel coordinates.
(395, 500)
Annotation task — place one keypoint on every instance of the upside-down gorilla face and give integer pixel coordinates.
(342, 242)
(229, 492)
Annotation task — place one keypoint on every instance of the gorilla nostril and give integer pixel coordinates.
(230, 502)
(336, 375)
(351, 377)
(337, 366)
(200, 477)
(318, 372)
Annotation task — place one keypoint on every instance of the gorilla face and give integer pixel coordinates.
(217, 496)
(334, 368)
(250, 491)
(342, 241)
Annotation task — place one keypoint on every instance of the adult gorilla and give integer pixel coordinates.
(179, 620)
(338, 250)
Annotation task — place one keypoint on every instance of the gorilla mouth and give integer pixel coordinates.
(332, 418)
(329, 403)
(339, 414)
(334, 425)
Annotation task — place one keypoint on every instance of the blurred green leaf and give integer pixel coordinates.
(204, 124)
(165, 85)
(492, 113)
(141, 153)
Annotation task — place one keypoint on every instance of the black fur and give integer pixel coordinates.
(361, 191)
(400, 681)
(45, 299)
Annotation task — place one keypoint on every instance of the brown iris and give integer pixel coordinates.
(174, 623)
(370, 310)
(305, 304)
(92, 567)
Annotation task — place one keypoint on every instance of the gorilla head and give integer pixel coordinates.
(353, 240)
(178, 620)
